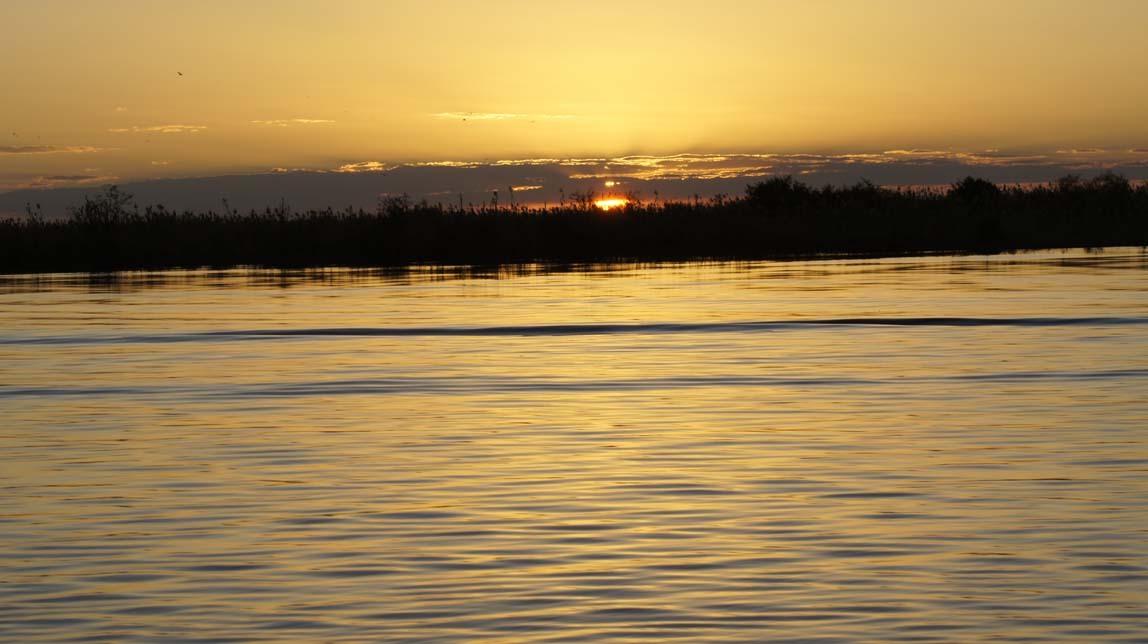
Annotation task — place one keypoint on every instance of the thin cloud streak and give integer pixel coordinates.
(498, 116)
(48, 149)
(1082, 151)
(364, 166)
(290, 122)
(68, 180)
(174, 128)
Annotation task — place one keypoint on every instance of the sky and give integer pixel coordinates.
(129, 90)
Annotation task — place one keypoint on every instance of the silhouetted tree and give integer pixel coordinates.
(778, 193)
(976, 193)
(1069, 183)
(1110, 183)
(109, 207)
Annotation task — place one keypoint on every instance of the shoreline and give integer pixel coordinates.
(778, 219)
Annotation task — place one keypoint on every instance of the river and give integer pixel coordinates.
(933, 449)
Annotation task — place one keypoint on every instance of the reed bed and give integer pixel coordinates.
(779, 217)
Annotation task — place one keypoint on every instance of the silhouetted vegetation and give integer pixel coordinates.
(776, 217)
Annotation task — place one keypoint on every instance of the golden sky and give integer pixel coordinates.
(94, 89)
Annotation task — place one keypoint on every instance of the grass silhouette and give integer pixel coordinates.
(778, 217)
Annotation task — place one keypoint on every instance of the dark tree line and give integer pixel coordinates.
(778, 217)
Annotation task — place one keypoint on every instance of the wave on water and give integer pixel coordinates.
(585, 329)
(464, 385)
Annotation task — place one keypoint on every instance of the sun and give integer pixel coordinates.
(611, 203)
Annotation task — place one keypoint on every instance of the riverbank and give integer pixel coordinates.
(777, 218)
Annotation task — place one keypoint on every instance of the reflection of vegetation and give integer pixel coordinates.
(776, 217)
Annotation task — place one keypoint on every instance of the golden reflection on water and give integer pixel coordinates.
(545, 480)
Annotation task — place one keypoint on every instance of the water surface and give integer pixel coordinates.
(927, 449)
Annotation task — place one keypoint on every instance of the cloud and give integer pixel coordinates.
(1082, 151)
(698, 166)
(677, 166)
(290, 122)
(68, 180)
(358, 183)
(915, 152)
(889, 167)
(446, 164)
(161, 163)
(285, 170)
(174, 128)
(121, 109)
(47, 149)
(498, 116)
(364, 166)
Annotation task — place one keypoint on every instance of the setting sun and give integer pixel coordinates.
(611, 203)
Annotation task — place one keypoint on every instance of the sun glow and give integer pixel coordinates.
(611, 203)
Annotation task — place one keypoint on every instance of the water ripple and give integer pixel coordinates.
(441, 386)
(891, 456)
(587, 329)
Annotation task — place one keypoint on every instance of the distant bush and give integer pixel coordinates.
(1110, 183)
(976, 193)
(108, 208)
(778, 193)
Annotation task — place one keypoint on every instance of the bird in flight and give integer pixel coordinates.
(180, 73)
